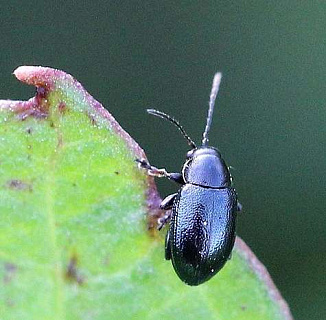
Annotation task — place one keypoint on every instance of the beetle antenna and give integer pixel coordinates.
(214, 91)
(175, 122)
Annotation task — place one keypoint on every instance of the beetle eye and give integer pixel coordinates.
(190, 153)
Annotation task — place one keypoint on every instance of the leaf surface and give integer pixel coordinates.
(75, 212)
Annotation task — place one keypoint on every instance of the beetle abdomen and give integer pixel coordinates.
(202, 231)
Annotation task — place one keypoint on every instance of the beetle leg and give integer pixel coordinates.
(160, 173)
(161, 222)
(167, 246)
(176, 177)
(167, 202)
(239, 206)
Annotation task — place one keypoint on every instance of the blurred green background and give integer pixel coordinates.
(270, 120)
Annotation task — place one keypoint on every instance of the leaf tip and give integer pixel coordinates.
(36, 75)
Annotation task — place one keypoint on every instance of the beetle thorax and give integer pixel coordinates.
(205, 167)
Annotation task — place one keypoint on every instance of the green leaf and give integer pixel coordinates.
(77, 216)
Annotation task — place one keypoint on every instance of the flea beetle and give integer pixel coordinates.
(203, 212)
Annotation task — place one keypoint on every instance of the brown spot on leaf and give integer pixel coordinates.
(92, 118)
(154, 211)
(19, 185)
(72, 272)
(62, 107)
(10, 271)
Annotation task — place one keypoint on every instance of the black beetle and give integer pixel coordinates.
(202, 221)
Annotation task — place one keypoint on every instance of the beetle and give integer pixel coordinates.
(201, 233)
